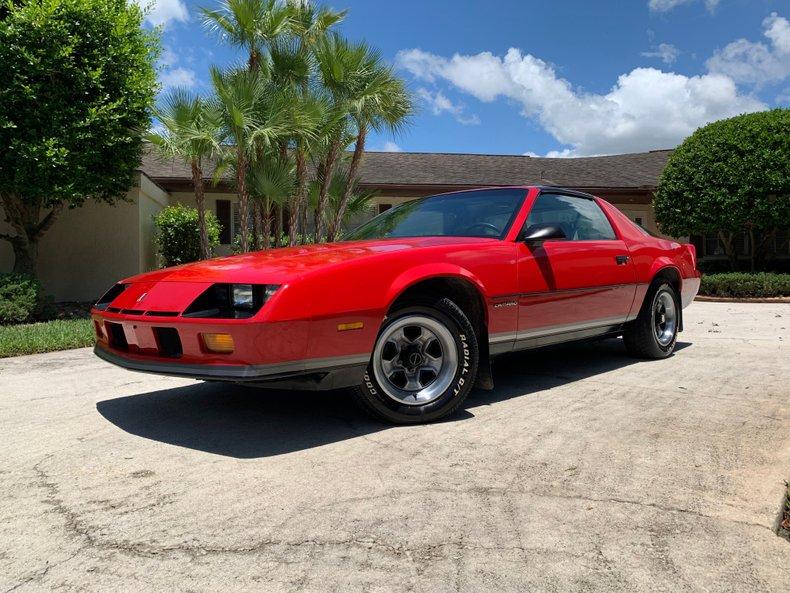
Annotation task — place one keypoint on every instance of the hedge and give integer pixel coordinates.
(178, 234)
(22, 299)
(745, 285)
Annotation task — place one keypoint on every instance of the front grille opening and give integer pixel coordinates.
(168, 341)
(162, 314)
(117, 337)
(132, 312)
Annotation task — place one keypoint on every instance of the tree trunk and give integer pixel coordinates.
(25, 256)
(24, 218)
(200, 202)
(266, 217)
(316, 210)
(353, 168)
(244, 200)
(278, 224)
(257, 214)
(729, 249)
(328, 168)
(752, 250)
(301, 189)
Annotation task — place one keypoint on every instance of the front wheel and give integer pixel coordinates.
(654, 333)
(423, 364)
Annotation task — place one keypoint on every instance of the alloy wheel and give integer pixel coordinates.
(415, 360)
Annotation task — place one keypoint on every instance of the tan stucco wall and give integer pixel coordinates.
(152, 199)
(90, 248)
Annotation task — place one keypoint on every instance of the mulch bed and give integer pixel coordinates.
(72, 310)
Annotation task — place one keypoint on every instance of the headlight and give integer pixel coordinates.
(242, 297)
(231, 301)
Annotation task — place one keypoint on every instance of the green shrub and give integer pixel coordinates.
(728, 177)
(744, 285)
(178, 234)
(22, 299)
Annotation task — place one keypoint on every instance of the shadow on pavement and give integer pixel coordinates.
(248, 423)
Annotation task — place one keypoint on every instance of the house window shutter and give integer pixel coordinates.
(223, 215)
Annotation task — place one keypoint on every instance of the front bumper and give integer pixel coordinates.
(234, 373)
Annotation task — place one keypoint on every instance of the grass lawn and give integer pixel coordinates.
(31, 338)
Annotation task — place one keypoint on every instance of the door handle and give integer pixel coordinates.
(621, 259)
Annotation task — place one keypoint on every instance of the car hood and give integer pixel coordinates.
(278, 266)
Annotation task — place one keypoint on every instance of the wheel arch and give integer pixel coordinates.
(671, 274)
(460, 286)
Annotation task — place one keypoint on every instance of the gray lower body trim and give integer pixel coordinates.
(544, 336)
(234, 373)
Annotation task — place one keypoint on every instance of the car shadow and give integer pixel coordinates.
(245, 423)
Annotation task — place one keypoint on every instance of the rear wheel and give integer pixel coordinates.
(654, 333)
(423, 364)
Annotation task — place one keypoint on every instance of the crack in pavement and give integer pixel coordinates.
(78, 527)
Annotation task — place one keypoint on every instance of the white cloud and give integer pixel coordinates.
(756, 62)
(390, 146)
(439, 104)
(784, 97)
(666, 51)
(161, 12)
(177, 77)
(667, 5)
(646, 109)
(169, 58)
(565, 153)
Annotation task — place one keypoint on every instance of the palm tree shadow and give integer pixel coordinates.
(246, 423)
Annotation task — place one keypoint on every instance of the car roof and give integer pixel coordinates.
(541, 188)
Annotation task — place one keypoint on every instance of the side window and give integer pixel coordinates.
(581, 219)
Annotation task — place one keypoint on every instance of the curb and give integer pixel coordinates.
(767, 300)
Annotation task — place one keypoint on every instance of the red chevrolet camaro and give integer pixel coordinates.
(412, 306)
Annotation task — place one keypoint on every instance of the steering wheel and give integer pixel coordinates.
(485, 225)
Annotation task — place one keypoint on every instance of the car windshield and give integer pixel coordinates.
(481, 213)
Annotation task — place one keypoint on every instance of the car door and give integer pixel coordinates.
(573, 287)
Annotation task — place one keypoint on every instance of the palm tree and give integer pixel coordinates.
(253, 113)
(190, 131)
(271, 184)
(292, 63)
(250, 24)
(379, 100)
(339, 65)
(358, 202)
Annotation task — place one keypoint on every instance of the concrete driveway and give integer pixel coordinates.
(583, 471)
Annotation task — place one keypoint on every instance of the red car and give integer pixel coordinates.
(412, 306)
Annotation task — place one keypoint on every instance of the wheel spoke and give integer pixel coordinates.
(413, 382)
(432, 364)
(390, 366)
(413, 334)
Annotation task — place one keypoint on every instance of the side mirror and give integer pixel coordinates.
(538, 233)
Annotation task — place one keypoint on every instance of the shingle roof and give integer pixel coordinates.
(638, 170)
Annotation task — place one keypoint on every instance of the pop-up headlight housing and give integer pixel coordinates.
(110, 296)
(231, 301)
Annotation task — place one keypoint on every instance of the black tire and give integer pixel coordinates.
(374, 398)
(641, 336)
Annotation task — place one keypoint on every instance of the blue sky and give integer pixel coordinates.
(561, 78)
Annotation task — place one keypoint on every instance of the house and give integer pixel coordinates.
(90, 248)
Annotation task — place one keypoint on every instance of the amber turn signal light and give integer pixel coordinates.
(218, 343)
